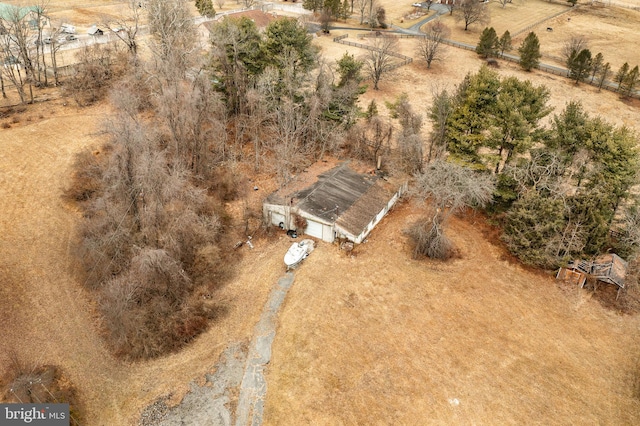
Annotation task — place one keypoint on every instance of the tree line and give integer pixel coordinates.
(580, 62)
(23, 58)
(557, 191)
(149, 243)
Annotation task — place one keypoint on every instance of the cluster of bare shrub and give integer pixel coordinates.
(149, 240)
(450, 188)
(38, 384)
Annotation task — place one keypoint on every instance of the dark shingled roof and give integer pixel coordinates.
(340, 195)
(334, 193)
(364, 210)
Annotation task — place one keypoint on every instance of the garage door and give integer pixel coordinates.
(314, 229)
(277, 218)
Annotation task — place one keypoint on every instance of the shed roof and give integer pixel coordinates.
(94, 30)
(340, 196)
(334, 193)
(360, 214)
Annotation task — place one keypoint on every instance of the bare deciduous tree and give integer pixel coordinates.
(363, 7)
(126, 26)
(370, 139)
(409, 143)
(220, 3)
(380, 61)
(54, 48)
(17, 46)
(429, 47)
(174, 37)
(472, 12)
(287, 129)
(451, 5)
(97, 67)
(11, 68)
(573, 46)
(195, 117)
(449, 188)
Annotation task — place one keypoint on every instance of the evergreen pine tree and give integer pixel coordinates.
(630, 81)
(596, 65)
(579, 65)
(530, 52)
(603, 74)
(504, 44)
(622, 74)
(205, 7)
(488, 44)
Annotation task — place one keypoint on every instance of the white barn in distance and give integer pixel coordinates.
(341, 204)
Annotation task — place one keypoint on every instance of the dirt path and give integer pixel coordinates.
(254, 386)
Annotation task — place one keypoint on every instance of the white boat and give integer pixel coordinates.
(297, 252)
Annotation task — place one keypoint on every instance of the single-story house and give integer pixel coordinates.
(340, 204)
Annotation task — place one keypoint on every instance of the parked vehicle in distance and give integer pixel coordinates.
(71, 37)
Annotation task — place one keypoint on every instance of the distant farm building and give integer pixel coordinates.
(10, 13)
(608, 268)
(95, 31)
(340, 204)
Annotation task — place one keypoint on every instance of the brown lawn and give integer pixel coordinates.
(611, 31)
(514, 17)
(377, 338)
(419, 83)
(47, 316)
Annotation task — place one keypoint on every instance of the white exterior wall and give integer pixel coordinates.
(326, 234)
(274, 214)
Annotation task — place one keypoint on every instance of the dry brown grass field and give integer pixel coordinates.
(377, 338)
(514, 17)
(612, 31)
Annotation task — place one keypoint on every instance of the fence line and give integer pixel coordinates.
(608, 85)
(527, 28)
(405, 59)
